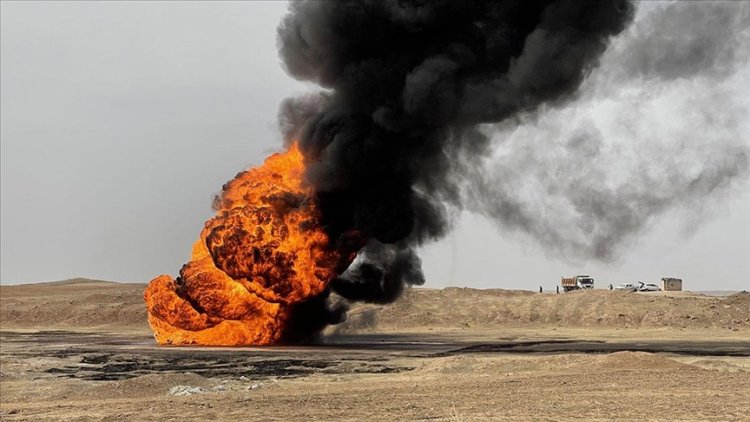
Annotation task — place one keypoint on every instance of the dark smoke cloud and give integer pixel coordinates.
(379, 273)
(660, 128)
(407, 83)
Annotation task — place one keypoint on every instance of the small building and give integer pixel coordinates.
(669, 284)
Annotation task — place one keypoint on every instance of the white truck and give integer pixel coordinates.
(628, 287)
(647, 287)
(577, 282)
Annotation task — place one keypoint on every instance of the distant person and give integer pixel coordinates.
(558, 289)
(610, 286)
(540, 289)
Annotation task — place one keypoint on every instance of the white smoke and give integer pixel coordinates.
(661, 125)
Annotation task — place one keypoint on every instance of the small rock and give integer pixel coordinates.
(185, 390)
(255, 386)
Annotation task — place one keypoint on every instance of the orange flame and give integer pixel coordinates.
(262, 252)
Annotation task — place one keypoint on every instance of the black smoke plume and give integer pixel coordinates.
(405, 85)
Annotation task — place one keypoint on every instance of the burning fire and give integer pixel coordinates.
(263, 252)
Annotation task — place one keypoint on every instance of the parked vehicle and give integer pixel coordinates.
(577, 282)
(648, 287)
(630, 287)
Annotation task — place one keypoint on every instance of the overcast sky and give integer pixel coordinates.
(120, 121)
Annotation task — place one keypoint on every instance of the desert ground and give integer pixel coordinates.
(82, 350)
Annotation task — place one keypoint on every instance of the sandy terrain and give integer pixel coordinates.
(81, 350)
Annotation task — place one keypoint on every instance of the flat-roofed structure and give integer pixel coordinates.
(670, 284)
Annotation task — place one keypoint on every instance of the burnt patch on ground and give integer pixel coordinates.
(107, 357)
(125, 366)
(104, 357)
(120, 366)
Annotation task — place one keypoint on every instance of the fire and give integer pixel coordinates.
(263, 252)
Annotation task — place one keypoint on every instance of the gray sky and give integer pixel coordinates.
(120, 121)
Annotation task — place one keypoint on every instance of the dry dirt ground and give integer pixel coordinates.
(80, 350)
